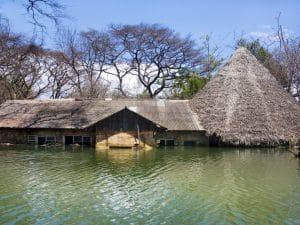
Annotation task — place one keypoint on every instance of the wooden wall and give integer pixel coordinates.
(125, 129)
(20, 136)
(126, 120)
(182, 137)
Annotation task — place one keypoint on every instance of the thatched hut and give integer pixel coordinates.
(242, 106)
(245, 106)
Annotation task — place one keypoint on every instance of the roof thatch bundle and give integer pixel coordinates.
(245, 106)
(81, 114)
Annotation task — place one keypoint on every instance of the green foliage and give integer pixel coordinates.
(189, 85)
(256, 49)
(143, 95)
(265, 58)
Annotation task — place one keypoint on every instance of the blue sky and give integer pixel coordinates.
(222, 18)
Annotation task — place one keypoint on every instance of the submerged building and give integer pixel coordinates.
(101, 123)
(242, 106)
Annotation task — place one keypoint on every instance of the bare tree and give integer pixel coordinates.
(156, 53)
(119, 59)
(212, 60)
(10, 45)
(49, 9)
(87, 55)
(21, 67)
(58, 74)
(22, 75)
(67, 42)
(288, 55)
(29, 75)
(42, 14)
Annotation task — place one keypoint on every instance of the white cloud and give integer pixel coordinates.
(259, 34)
(267, 33)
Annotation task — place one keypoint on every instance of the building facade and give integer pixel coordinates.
(101, 124)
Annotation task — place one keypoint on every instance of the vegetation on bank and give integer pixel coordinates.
(98, 64)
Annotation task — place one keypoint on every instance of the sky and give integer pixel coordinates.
(222, 19)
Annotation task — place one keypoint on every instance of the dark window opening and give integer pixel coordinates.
(170, 143)
(78, 140)
(189, 143)
(50, 140)
(81, 140)
(41, 140)
(162, 143)
(166, 143)
(214, 140)
(87, 141)
(68, 140)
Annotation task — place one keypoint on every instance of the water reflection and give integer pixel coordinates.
(124, 156)
(171, 186)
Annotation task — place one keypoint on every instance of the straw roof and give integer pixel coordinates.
(244, 105)
(80, 114)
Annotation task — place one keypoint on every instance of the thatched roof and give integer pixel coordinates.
(80, 114)
(244, 105)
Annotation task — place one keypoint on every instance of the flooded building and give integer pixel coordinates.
(101, 123)
(243, 105)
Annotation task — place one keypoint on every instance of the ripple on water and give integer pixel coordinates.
(172, 186)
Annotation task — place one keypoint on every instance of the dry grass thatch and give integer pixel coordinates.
(81, 114)
(245, 106)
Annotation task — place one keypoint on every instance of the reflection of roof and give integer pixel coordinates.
(70, 113)
(244, 105)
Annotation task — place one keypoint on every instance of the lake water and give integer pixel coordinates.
(163, 186)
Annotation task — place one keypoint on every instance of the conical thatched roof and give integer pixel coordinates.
(244, 105)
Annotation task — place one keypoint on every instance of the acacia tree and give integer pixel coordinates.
(287, 54)
(9, 45)
(30, 73)
(44, 9)
(156, 54)
(119, 59)
(58, 74)
(22, 71)
(87, 55)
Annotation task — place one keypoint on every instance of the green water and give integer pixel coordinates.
(164, 186)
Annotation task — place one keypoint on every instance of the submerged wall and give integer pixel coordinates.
(20, 136)
(109, 139)
(181, 138)
(124, 139)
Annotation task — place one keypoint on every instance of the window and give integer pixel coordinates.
(170, 143)
(41, 140)
(166, 142)
(32, 139)
(81, 140)
(50, 140)
(87, 140)
(78, 140)
(189, 143)
(69, 140)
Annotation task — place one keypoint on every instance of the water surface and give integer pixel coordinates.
(164, 186)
